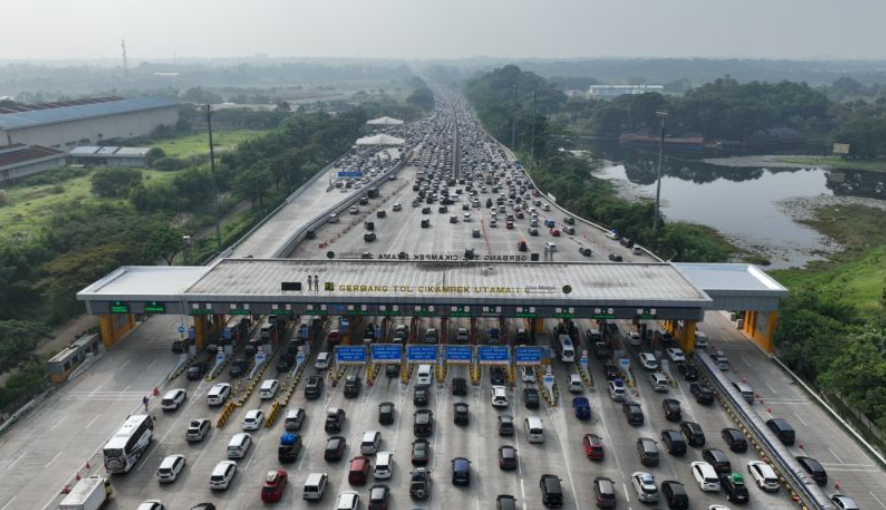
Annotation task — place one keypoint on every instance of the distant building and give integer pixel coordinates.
(20, 160)
(576, 94)
(109, 156)
(67, 124)
(610, 91)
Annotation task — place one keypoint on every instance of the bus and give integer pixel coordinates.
(128, 444)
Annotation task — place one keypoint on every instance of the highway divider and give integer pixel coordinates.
(225, 414)
(272, 414)
(218, 369)
(182, 366)
(803, 489)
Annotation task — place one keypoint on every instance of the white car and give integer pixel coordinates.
(527, 374)
(499, 396)
(397, 206)
(764, 476)
(222, 475)
(253, 419)
(647, 359)
(644, 484)
(268, 389)
(634, 339)
(719, 507)
(173, 399)
(170, 468)
(706, 476)
(322, 362)
(349, 500)
(676, 354)
(151, 504)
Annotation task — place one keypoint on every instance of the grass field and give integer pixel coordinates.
(834, 162)
(857, 274)
(198, 144)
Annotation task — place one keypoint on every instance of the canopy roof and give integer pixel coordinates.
(380, 139)
(385, 121)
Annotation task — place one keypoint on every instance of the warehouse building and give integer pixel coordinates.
(67, 124)
(19, 160)
(109, 156)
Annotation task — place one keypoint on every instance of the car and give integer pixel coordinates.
(527, 374)
(420, 396)
(614, 257)
(505, 502)
(386, 413)
(314, 387)
(814, 468)
(423, 423)
(461, 471)
(593, 446)
(499, 396)
(425, 223)
(551, 490)
(674, 441)
(718, 459)
(604, 492)
(505, 425)
(354, 210)
(460, 412)
(353, 383)
(198, 429)
(378, 497)
(253, 420)
(222, 474)
(173, 399)
(170, 467)
(674, 494)
(582, 408)
(693, 433)
(644, 485)
(584, 250)
(706, 476)
(764, 476)
(734, 487)
(844, 502)
(703, 393)
(151, 504)
(507, 458)
(348, 500)
(672, 409)
(397, 206)
(420, 484)
(531, 398)
(335, 448)
(197, 371)
(268, 389)
(420, 452)
(335, 420)
(675, 354)
(322, 362)
(459, 386)
(648, 361)
(497, 376)
(275, 483)
(633, 412)
(690, 372)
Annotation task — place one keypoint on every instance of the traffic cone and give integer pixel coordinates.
(78, 477)
(156, 391)
(802, 446)
(837, 485)
(88, 466)
(66, 489)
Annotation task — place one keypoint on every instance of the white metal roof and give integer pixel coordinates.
(380, 139)
(132, 282)
(385, 121)
(735, 286)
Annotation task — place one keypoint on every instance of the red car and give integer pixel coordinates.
(520, 215)
(535, 193)
(509, 225)
(593, 447)
(555, 232)
(275, 482)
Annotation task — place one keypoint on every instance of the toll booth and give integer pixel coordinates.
(64, 363)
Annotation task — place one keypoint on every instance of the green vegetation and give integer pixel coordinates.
(835, 162)
(198, 143)
(113, 182)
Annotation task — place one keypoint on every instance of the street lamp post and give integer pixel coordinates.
(218, 243)
(663, 116)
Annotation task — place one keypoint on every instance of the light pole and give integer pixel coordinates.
(663, 116)
(514, 120)
(532, 138)
(218, 241)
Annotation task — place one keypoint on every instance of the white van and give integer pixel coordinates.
(747, 392)
(549, 246)
(722, 360)
(567, 351)
(315, 487)
(371, 442)
(239, 445)
(535, 432)
(424, 375)
(701, 340)
(218, 394)
(268, 389)
(384, 465)
(322, 362)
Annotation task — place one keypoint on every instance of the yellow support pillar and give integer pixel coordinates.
(762, 335)
(201, 331)
(686, 336)
(218, 324)
(114, 326)
(539, 326)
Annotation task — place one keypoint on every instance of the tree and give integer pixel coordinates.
(17, 339)
(113, 182)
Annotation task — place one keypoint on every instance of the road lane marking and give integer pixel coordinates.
(65, 417)
(869, 492)
(803, 422)
(93, 421)
(53, 459)
(625, 487)
(13, 499)
(150, 365)
(746, 362)
(771, 388)
(255, 449)
(123, 365)
(16, 461)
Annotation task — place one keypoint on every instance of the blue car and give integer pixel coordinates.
(582, 408)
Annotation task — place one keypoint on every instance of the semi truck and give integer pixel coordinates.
(90, 493)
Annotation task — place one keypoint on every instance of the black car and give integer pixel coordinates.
(647, 448)
(420, 396)
(551, 490)
(814, 468)
(420, 484)
(507, 458)
(672, 409)
(633, 412)
(386, 413)
(378, 497)
(239, 367)
(718, 459)
(459, 386)
(461, 471)
(178, 346)
(693, 433)
(197, 371)
(352, 386)
(423, 423)
(392, 371)
(675, 495)
(335, 420)
(735, 439)
(612, 372)
(604, 492)
(674, 442)
(690, 372)
(497, 376)
(314, 387)
(615, 257)
(505, 502)
(505, 425)
(460, 410)
(420, 452)
(704, 395)
(335, 448)
(734, 487)
(531, 398)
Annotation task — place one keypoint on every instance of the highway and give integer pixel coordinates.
(43, 452)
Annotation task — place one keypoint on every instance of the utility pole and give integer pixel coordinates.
(532, 138)
(663, 116)
(125, 61)
(218, 243)
(514, 120)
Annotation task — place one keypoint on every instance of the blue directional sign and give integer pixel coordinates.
(421, 353)
(350, 355)
(494, 355)
(181, 329)
(527, 355)
(386, 352)
(458, 354)
(350, 174)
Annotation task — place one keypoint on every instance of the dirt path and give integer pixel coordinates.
(754, 162)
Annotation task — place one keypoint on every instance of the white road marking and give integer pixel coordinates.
(627, 496)
(16, 461)
(869, 492)
(150, 365)
(843, 464)
(124, 364)
(93, 420)
(803, 422)
(771, 388)
(746, 362)
(53, 459)
(65, 417)
(255, 449)
(13, 499)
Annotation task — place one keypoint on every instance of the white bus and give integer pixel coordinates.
(124, 449)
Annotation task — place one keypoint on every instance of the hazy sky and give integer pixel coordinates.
(155, 29)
